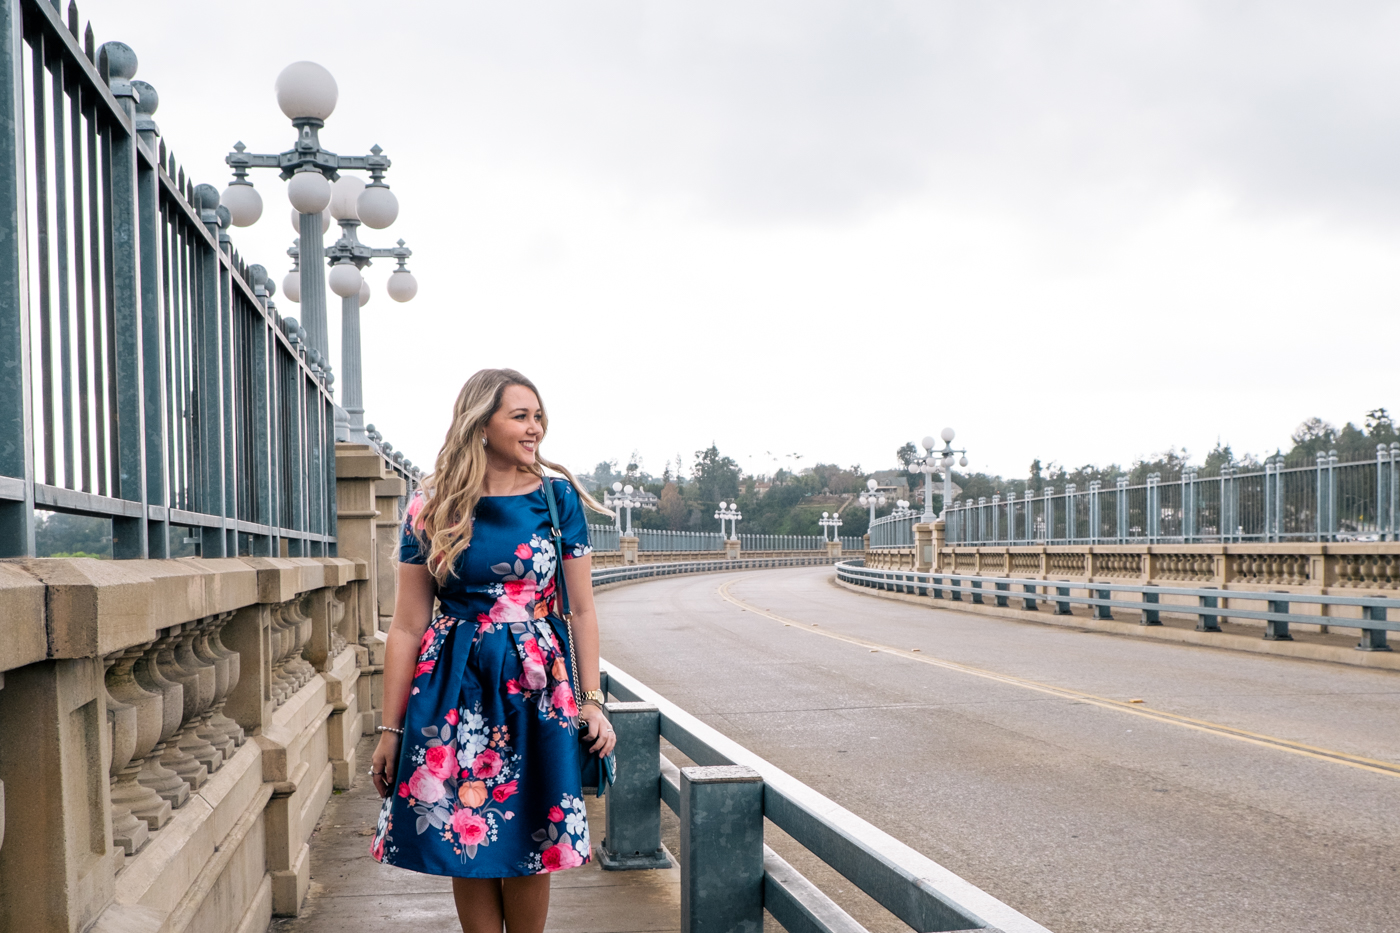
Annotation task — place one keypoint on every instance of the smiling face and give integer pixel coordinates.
(515, 429)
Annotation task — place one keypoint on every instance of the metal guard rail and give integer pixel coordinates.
(913, 887)
(1373, 625)
(605, 575)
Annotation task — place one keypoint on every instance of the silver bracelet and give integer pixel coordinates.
(389, 729)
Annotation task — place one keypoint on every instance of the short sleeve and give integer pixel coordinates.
(410, 548)
(573, 522)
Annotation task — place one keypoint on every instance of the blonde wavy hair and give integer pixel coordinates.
(453, 489)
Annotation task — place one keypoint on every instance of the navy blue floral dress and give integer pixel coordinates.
(488, 767)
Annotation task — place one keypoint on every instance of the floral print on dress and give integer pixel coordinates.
(488, 772)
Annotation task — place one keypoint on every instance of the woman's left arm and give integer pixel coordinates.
(578, 577)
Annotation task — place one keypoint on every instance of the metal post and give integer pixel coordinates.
(352, 394)
(633, 839)
(124, 279)
(1320, 512)
(1150, 616)
(1268, 498)
(1062, 608)
(1208, 623)
(1122, 509)
(1333, 525)
(1382, 455)
(152, 345)
(1373, 639)
(1070, 529)
(1102, 612)
(1393, 510)
(16, 409)
(212, 541)
(1049, 514)
(1277, 630)
(721, 850)
(1010, 519)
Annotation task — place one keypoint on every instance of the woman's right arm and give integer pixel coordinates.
(413, 609)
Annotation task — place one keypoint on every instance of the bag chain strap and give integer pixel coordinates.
(561, 592)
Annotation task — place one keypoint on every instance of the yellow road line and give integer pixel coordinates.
(1175, 719)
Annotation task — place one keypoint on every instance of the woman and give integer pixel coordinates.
(478, 760)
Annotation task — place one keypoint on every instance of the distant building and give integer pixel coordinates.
(760, 488)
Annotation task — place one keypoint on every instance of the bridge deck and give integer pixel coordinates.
(351, 893)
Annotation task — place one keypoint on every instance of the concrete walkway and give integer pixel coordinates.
(352, 893)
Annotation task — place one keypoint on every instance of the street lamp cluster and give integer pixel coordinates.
(623, 498)
(731, 514)
(830, 523)
(871, 498)
(307, 94)
(941, 461)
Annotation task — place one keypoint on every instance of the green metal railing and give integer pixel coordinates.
(145, 376)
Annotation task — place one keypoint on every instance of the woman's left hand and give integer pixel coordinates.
(596, 727)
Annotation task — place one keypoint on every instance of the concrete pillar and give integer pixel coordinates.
(628, 546)
(359, 468)
(731, 549)
(63, 873)
(940, 539)
(833, 548)
(387, 493)
(721, 850)
(923, 547)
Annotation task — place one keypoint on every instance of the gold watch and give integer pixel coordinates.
(592, 696)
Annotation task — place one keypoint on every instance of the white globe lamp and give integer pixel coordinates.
(305, 89)
(309, 192)
(291, 286)
(243, 202)
(364, 291)
(928, 443)
(345, 193)
(402, 285)
(345, 279)
(378, 207)
(947, 435)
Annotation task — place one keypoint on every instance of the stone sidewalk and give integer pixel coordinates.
(352, 893)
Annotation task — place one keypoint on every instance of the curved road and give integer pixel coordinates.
(1244, 793)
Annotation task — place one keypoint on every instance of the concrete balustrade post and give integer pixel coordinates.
(232, 663)
(191, 769)
(128, 792)
(154, 774)
(721, 850)
(632, 838)
(129, 834)
(199, 647)
(199, 694)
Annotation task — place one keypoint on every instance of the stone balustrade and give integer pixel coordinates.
(170, 730)
(1347, 568)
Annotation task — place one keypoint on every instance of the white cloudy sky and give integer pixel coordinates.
(1075, 231)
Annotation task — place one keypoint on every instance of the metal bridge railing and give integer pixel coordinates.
(731, 857)
(605, 538)
(145, 377)
(893, 531)
(1327, 501)
(605, 575)
(1202, 602)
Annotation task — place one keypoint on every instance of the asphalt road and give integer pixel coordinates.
(1236, 796)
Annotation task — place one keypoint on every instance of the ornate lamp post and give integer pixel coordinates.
(307, 94)
(942, 462)
(901, 509)
(729, 514)
(347, 256)
(830, 524)
(872, 498)
(623, 499)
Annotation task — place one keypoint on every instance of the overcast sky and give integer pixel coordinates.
(1076, 231)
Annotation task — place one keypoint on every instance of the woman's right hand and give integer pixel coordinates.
(385, 762)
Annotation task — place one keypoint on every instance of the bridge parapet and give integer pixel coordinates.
(169, 744)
